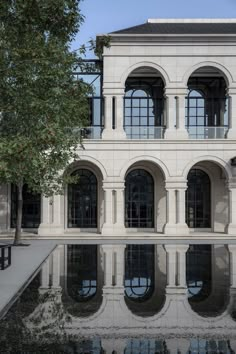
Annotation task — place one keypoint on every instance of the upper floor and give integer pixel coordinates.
(165, 79)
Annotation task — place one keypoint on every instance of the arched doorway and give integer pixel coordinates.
(82, 200)
(198, 199)
(139, 199)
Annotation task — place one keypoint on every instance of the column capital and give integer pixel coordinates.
(176, 91)
(111, 184)
(176, 183)
(231, 90)
(231, 183)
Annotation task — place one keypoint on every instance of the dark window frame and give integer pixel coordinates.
(83, 201)
(139, 199)
(139, 272)
(31, 212)
(198, 199)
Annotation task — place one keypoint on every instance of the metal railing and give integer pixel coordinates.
(198, 132)
(5, 256)
(137, 132)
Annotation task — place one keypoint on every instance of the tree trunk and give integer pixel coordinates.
(19, 214)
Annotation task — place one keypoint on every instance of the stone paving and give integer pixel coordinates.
(26, 261)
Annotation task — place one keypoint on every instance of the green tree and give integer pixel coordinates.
(40, 101)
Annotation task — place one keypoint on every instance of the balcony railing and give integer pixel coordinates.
(91, 132)
(198, 132)
(137, 132)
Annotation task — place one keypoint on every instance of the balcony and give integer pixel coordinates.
(198, 132)
(206, 118)
(93, 132)
(137, 132)
(143, 117)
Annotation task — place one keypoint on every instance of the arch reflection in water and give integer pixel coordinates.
(207, 276)
(145, 278)
(139, 272)
(82, 288)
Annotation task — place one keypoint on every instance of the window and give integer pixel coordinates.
(82, 201)
(139, 272)
(31, 213)
(198, 199)
(139, 199)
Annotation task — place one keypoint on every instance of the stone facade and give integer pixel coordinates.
(174, 59)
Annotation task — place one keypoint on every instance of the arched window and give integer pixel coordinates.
(199, 272)
(31, 213)
(139, 272)
(81, 272)
(143, 107)
(139, 199)
(82, 200)
(198, 199)
(196, 118)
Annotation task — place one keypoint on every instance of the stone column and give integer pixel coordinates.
(180, 116)
(108, 265)
(171, 265)
(58, 214)
(108, 112)
(56, 268)
(182, 227)
(232, 113)
(231, 227)
(119, 117)
(181, 256)
(4, 207)
(46, 216)
(170, 132)
(232, 250)
(176, 269)
(120, 210)
(170, 226)
(120, 265)
(44, 276)
(108, 225)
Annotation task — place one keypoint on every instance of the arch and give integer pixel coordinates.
(144, 158)
(225, 72)
(155, 66)
(95, 165)
(220, 162)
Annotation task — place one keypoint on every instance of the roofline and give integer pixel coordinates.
(191, 20)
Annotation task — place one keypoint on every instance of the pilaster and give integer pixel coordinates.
(231, 227)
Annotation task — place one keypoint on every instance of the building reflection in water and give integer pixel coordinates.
(208, 278)
(145, 278)
(139, 298)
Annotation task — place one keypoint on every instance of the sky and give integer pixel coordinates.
(104, 16)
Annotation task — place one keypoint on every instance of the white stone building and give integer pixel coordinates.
(159, 158)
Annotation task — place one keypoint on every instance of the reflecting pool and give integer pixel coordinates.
(127, 298)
